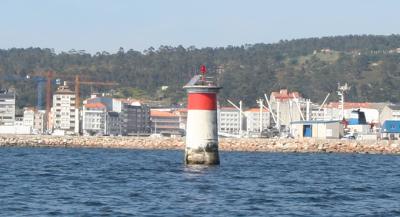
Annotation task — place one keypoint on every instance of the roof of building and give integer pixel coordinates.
(98, 98)
(97, 105)
(181, 110)
(391, 126)
(182, 113)
(64, 89)
(113, 114)
(129, 101)
(392, 121)
(349, 105)
(394, 107)
(29, 108)
(156, 113)
(227, 108)
(284, 94)
(7, 95)
(256, 110)
(378, 105)
(315, 122)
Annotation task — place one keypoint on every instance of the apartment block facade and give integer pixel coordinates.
(229, 120)
(254, 119)
(94, 119)
(65, 115)
(7, 108)
(135, 119)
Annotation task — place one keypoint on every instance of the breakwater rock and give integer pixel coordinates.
(226, 144)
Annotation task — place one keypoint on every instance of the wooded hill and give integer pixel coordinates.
(313, 66)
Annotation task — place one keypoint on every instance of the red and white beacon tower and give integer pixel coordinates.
(202, 126)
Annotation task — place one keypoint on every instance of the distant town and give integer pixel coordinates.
(282, 113)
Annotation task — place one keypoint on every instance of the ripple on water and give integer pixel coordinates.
(95, 182)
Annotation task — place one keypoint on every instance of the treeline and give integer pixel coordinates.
(312, 66)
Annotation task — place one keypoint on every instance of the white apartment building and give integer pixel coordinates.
(39, 122)
(253, 119)
(19, 121)
(229, 120)
(7, 108)
(65, 115)
(94, 119)
(29, 117)
(168, 121)
(35, 120)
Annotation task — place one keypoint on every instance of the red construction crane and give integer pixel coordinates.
(50, 75)
(78, 82)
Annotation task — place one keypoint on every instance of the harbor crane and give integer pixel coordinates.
(47, 77)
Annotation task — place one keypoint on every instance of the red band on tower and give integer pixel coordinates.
(202, 101)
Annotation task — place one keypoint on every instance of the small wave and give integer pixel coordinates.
(360, 189)
(93, 203)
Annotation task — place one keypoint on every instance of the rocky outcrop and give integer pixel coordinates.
(311, 145)
(250, 145)
(92, 142)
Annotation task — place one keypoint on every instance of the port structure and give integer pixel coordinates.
(202, 127)
(342, 89)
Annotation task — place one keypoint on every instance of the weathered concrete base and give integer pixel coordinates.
(205, 156)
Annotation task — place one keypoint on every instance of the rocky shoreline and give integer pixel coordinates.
(225, 144)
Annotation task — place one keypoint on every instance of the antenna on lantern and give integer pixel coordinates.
(203, 71)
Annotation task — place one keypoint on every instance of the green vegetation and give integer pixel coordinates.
(130, 92)
(368, 63)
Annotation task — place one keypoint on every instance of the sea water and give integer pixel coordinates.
(121, 182)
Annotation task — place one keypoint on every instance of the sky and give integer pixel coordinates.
(107, 25)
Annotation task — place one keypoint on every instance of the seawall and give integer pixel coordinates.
(226, 144)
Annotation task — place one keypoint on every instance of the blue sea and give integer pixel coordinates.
(118, 182)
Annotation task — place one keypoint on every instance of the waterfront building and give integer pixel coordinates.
(19, 120)
(39, 122)
(94, 119)
(391, 129)
(317, 129)
(182, 113)
(7, 108)
(253, 120)
(390, 112)
(65, 115)
(117, 104)
(357, 123)
(229, 120)
(29, 117)
(166, 122)
(113, 124)
(288, 107)
(107, 101)
(135, 119)
(17, 126)
(332, 111)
